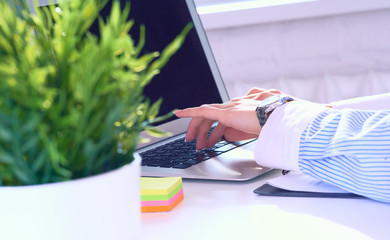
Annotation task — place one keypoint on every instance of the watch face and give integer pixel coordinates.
(269, 100)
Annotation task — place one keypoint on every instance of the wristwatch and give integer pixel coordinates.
(265, 107)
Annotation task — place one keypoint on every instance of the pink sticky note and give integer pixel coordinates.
(162, 203)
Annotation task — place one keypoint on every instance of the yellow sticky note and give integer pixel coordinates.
(159, 186)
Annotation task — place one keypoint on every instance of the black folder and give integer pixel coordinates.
(269, 190)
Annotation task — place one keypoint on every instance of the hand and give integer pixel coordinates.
(237, 119)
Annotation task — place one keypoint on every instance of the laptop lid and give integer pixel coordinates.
(191, 78)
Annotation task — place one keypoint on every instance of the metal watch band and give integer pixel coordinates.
(261, 115)
(268, 105)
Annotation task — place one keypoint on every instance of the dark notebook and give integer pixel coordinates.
(269, 190)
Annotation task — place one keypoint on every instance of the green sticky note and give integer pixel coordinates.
(159, 186)
(163, 197)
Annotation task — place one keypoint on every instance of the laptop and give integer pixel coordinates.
(191, 78)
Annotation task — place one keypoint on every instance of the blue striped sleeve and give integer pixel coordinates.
(350, 149)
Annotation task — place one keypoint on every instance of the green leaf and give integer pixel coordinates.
(21, 175)
(115, 13)
(141, 40)
(162, 118)
(154, 109)
(155, 132)
(5, 134)
(39, 162)
(6, 158)
(30, 143)
(89, 150)
(31, 123)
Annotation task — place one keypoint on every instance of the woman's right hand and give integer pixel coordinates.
(237, 119)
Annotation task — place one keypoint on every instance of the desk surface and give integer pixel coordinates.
(230, 210)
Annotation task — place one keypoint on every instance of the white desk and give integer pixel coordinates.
(230, 210)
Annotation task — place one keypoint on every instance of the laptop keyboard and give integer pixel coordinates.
(180, 154)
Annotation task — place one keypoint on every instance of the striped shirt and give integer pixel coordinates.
(350, 149)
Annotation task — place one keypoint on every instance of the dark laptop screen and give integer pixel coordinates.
(187, 80)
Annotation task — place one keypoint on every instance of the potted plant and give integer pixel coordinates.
(71, 110)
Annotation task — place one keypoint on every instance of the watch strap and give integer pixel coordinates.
(263, 111)
(261, 115)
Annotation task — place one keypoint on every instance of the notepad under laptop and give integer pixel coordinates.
(191, 78)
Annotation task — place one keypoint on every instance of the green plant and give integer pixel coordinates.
(72, 104)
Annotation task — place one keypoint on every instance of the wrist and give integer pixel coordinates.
(268, 105)
(283, 132)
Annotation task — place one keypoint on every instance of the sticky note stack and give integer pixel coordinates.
(160, 194)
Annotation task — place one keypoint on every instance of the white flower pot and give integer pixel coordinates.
(105, 206)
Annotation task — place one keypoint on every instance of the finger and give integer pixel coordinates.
(275, 91)
(193, 129)
(232, 134)
(252, 96)
(216, 135)
(255, 91)
(261, 90)
(205, 111)
(202, 134)
(236, 99)
(263, 95)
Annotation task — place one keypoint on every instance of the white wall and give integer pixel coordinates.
(321, 59)
(228, 13)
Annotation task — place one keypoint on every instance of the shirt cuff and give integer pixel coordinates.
(374, 102)
(279, 140)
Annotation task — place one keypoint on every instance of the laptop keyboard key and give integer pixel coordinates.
(192, 161)
(182, 165)
(212, 153)
(226, 148)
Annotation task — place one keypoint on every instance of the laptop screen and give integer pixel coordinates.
(187, 80)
